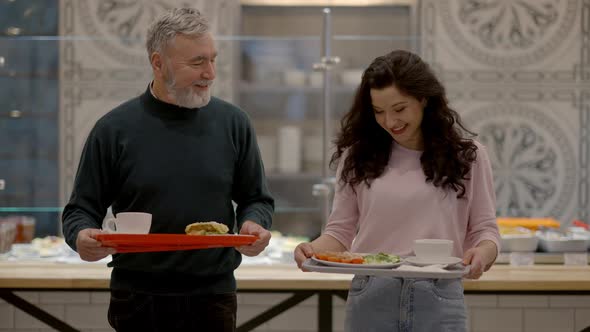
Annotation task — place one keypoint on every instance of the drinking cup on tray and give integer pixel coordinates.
(129, 223)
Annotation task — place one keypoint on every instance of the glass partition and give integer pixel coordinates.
(524, 90)
(267, 62)
(29, 108)
(284, 95)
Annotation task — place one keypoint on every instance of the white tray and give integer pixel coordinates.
(454, 271)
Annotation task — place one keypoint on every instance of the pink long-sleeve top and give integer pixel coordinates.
(400, 207)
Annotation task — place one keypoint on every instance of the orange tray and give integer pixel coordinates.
(171, 242)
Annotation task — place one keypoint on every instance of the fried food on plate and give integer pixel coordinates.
(354, 258)
(340, 257)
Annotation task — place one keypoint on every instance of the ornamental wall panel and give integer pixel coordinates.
(517, 72)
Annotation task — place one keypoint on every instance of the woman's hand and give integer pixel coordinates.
(480, 258)
(302, 252)
(323, 243)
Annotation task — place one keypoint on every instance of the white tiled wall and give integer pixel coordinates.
(487, 313)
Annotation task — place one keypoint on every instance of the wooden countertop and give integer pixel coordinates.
(501, 278)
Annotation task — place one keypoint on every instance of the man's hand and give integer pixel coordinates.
(480, 258)
(251, 228)
(88, 248)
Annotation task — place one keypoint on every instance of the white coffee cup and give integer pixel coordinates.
(433, 248)
(129, 223)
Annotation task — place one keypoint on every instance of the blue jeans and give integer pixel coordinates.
(391, 304)
(131, 311)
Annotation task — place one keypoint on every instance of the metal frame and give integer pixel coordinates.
(325, 307)
(324, 189)
(297, 296)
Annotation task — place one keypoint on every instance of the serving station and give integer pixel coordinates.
(275, 278)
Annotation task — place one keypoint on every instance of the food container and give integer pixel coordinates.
(518, 243)
(581, 233)
(7, 236)
(552, 241)
(25, 227)
(517, 239)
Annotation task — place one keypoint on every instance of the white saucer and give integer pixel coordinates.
(420, 261)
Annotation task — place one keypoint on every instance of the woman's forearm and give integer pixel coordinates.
(327, 243)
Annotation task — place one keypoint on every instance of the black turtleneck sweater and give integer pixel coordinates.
(182, 166)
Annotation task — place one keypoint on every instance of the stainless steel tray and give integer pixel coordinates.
(563, 245)
(454, 271)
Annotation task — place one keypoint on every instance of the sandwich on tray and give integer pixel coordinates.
(206, 228)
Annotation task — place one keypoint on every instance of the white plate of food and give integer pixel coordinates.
(354, 260)
(425, 261)
(450, 272)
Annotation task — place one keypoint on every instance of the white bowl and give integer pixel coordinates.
(518, 243)
(430, 248)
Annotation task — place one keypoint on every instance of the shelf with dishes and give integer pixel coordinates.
(291, 149)
(295, 80)
(254, 87)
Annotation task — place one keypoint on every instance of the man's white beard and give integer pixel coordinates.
(187, 97)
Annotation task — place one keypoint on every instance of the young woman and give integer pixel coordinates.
(406, 171)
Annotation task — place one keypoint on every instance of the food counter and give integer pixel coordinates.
(52, 276)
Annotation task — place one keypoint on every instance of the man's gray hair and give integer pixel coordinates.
(187, 21)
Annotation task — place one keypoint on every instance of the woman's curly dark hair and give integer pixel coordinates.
(447, 155)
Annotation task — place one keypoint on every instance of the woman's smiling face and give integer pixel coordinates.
(400, 115)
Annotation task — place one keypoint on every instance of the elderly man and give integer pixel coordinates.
(183, 156)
